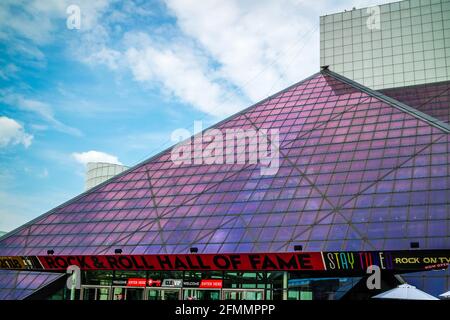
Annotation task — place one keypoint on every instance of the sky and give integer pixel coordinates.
(115, 86)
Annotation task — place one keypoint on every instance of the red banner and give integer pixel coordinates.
(154, 283)
(211, 284)
(338, 261)
(137, 282)
(264, 261)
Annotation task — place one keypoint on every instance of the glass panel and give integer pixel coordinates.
(120, 293)
(198, 294)
(134, 294)
(96, 293)
(243, 294)
(163, 294)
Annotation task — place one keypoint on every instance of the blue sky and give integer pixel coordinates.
(134, 72)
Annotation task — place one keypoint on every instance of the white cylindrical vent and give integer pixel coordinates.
(98, 172)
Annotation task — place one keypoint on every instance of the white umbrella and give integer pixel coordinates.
(405, 292)
(445, 295)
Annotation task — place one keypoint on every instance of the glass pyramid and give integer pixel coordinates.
(357, 172)
(431, 98)
(18, 285)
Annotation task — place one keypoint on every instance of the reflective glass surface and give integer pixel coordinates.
(432, 99)
(17, 285)
(355, 174)
(391, 45)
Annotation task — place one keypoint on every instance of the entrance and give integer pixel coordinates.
(163, 294)
(242, 294)
(127, 293)
(201, 294)
(95, 292)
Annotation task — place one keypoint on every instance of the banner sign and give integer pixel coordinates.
(211, 284)
(154, 283)
(172, 283)
(203, 284)
(387, 260)
(340, 261)
(20, 262)
(260, 261)
(191, 283)
(137, 282)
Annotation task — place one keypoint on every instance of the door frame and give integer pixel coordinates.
(145, 290)
(224, 291)
(180, 291)
(88, 286)
(201, 289)
(127, 287)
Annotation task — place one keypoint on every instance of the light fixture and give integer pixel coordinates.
(414, 245)
(50, 252)
(298, 247)
(118, 251)
(193, 250)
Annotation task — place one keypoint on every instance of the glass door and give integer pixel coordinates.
(254, 295)
(127, 293)
(242, 294)
(232, 295)
(163, 294)
(201, 294)
(95, 293)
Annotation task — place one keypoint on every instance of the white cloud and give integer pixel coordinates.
(223, 55)
(257, 48)
(95, 156)
(218, 57)
(12, 133)
(184, 73)
(30, 20)
(111, 58)
(261, 47)
(27, 25)
(43, 110)
(105, 20)
(38, 20)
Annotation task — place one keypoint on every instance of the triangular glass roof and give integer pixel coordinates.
(357, 171)
(18, 285)
(431, 98)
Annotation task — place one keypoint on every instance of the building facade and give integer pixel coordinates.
(392, 45)
(432, 98)
(363, 180)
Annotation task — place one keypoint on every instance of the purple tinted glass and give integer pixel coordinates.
(353, 170)
(19, 284)
(432, 99)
